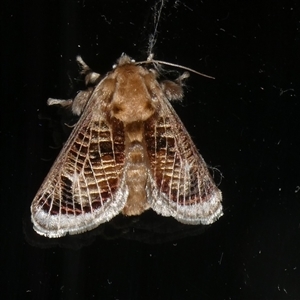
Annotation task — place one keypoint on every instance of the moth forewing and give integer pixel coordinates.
(184, 187)
(129, 151)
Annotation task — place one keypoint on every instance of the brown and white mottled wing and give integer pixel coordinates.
(182, 185)
(83, 189)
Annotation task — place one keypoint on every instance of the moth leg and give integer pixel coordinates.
(61, 102)
(173, 89)
(77, 105)
(80, 101)
(91, 77)
(182, 77)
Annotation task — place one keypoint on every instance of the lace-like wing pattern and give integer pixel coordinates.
(128, 152)
(183, 188)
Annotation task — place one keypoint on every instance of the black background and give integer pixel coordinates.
(245, 123)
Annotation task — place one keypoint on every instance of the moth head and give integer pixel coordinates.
(124, 59)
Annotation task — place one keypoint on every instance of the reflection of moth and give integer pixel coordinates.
(128, 152)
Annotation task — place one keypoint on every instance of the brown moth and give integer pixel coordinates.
(128, 152)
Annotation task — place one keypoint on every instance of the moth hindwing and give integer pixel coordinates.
(128, 152)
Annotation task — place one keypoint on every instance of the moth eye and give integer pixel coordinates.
(114, 66)
(132, 60)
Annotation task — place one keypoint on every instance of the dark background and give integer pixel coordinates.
(245, 123)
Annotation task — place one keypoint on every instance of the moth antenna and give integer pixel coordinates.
(154, 61)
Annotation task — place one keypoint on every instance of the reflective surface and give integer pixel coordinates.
(245, 123)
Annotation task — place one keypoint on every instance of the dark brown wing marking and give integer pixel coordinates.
(183, 188)
(83, 181)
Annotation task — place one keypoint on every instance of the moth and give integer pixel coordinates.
(128, 152)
